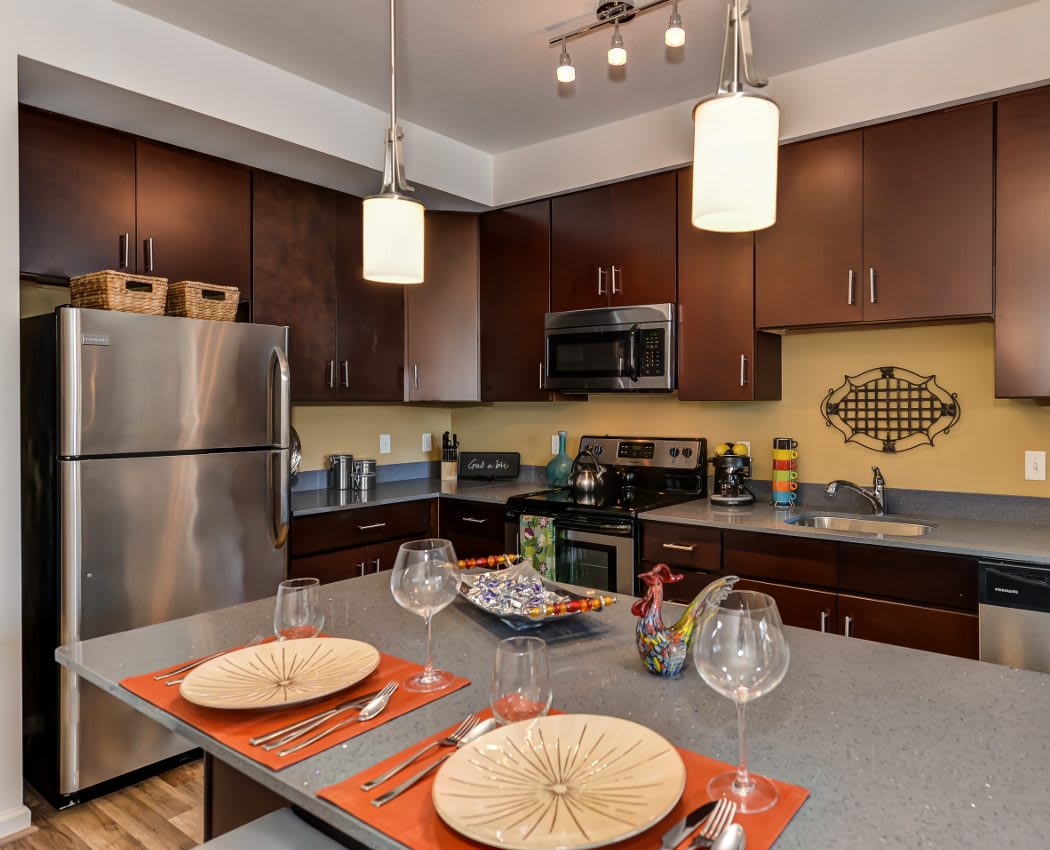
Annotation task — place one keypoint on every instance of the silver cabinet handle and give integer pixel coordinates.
(370, 527)
(616, 290)
(125, 243)
(679, 547)
(415, 376)
(601, 276)
(851, 292)
(873, 292)
(331, 374)
(848, 630)
(361, 567)
(541, 374)
(474, 520)
(743, 370)
(824, 620)
(149, 253)
(377, 565)
(346, 374)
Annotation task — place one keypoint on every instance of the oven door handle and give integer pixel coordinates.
(621, 528)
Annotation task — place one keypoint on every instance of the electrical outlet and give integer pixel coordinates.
(555, 444)
(384, 444)
(428, 442)
(744, 443)
(1035, 466)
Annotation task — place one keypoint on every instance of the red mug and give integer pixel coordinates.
(785, 464)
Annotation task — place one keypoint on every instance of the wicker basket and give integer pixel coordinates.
(195, 300)
(110, 290)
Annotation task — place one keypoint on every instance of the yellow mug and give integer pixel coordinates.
(785, 454)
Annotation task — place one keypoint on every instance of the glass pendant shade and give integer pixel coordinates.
(674, 35)
(735, 163)
(393, 239)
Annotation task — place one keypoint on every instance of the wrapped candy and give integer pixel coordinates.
(503, 593)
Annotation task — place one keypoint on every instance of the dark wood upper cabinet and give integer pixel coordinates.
(1022, 285)
(642, 258)
(371, 319)
(515, 294)
(721, 356)
(198, 213)
(808, 264)
(928, 216)
(294, 262)
(76, 196)
(580, 250)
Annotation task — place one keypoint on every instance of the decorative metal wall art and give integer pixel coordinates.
(890, 409)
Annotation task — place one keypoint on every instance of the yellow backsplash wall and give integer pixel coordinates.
(983, 454)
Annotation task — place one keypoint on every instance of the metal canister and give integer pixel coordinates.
(364, 480)
(340, 472)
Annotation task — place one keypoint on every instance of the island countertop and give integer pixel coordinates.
(897, 747)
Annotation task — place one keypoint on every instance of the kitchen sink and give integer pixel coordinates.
(864, 525)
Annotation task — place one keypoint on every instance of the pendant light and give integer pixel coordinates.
(617, 52)
(566, 72)
(393, 222)
(735, 141)
(674, 35)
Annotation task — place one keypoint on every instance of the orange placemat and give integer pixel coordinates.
(235, 728)
(412, 820)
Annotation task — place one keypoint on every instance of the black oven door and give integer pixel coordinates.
(584, 359)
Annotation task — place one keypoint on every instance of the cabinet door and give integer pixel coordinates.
(580, 252)
(692, 547)
(381, 556)
(442, 314)
(198, 212)
(776, 556)
(914, 626)
(76, 196)
(295, 282)
(515, 295)
(1022, 275)
(642, 257)
(928, 216)
(332, 566)
(476, 529)
(799, 606)
(808, 264)
(371, 320)
(720, 356)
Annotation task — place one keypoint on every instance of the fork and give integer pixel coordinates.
(716, 822)
(255, 641)
(357, 702)
(367, 713)
(469, 722)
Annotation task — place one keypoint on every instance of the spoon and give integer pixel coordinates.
(367, 713)
(732, 838)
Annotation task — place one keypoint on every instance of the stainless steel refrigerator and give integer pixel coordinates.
(155, 470)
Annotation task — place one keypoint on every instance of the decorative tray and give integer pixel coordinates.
(531, 613)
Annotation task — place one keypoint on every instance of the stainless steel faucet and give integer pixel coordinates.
(876, 496)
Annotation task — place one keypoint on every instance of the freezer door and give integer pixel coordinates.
(131, 384)
(150, 539)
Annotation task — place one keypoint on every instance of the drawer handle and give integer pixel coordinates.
(849, 627)
(361, 567)
(370, 527)
(824, 620)
(378, 565)
(679, 547)
(474, 519)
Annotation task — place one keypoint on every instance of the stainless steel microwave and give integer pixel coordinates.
(611, 349)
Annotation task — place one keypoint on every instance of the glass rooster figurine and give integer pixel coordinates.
(664, 649)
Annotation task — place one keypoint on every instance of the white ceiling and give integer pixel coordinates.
(480, 71)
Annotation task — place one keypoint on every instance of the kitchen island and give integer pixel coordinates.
(897, 747)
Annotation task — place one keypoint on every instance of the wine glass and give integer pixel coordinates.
(297, 610)
(742, 653)
(424, 580)
(520, 687)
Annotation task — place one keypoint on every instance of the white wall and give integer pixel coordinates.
(964, 62)
(14, 816)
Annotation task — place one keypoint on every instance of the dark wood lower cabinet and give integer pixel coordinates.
(799, 606)
(476, 529)
(682, 546)
(913, 626)
(776, 556)
(331, 566)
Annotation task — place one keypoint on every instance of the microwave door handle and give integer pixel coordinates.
(634, 367)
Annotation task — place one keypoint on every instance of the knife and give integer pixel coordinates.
(677, 833)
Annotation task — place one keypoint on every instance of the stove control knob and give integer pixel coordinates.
(673, 451)
(687, 452)
(598, 449)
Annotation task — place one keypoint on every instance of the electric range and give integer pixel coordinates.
(596, 534)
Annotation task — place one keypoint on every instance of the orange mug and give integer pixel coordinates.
(785, 454)
(781, 486)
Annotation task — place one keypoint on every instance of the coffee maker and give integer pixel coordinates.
(729, 489)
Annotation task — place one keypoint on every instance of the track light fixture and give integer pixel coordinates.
(617, 52)
(674, 36)
(566, 72)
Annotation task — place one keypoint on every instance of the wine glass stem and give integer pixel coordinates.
(743, 783)
(428, 671)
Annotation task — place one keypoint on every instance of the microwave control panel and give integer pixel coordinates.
(662, 452)
(653, 362)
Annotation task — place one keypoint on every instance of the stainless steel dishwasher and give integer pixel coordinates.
(1014, 614)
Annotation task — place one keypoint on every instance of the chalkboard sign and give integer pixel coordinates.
(489, 464)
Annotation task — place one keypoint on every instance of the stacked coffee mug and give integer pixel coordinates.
(785, 471)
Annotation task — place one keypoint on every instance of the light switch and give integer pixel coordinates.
(555, 444)
(384, 444)
(428, 442)
(1035, 466)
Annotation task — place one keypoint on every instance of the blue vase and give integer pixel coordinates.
(560, 465)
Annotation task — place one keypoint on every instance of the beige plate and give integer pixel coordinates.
(280, 673)
(566, 782)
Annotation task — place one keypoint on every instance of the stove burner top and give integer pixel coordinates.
(625, 502)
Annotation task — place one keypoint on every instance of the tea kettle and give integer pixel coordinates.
(584, 480)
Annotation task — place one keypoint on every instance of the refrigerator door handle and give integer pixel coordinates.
(280, 486)
(280, 399)
(69, 623)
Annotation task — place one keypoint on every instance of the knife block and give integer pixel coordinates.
(449, 470)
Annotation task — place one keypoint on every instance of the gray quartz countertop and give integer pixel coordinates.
(898, 748)
(1027, 542)
(307, 502)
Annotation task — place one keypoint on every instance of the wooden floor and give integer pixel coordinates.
(165, 812)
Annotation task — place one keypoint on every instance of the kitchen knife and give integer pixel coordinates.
(677, 833)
